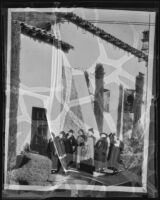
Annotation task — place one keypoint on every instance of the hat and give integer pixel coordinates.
(62, 132)
(91, 129)
(71, 131)
(102, 134)
(81, 130)
(111, 135)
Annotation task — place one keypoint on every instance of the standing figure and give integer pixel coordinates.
(65, 136)
(51, 152)
(70, 147)
(60, 150)
(114, 159)
(108, 148)
(111, 139)
(121, 148)
(80, 145)
(91, 144)
(101, 153)
(87, 163)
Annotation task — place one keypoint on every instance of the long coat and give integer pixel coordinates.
(70, 145)
(101, 150)
(88, 149)
(50, 149)
(60, 145)
(80, 144)
(114, 159)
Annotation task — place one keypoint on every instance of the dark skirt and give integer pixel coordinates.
(114, 157)
(87, 166)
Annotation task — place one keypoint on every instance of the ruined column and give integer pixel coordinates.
(99, 100)
(138, 101)
(120, 110)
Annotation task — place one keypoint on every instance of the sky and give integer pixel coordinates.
(36, 57)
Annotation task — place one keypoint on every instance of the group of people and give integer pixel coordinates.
(76, 151)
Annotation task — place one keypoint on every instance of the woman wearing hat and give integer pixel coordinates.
(51, 152)
(101, 152)
(80, 144)
(114, 159)
(87, 162)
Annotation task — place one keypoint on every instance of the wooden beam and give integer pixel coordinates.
(102, 34)
(44, 36)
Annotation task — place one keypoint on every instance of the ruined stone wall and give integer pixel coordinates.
(99, 90)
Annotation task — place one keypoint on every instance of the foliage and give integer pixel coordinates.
(132, 155)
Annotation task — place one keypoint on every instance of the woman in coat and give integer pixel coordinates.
(80, 144)
(101, 153)
(88, 149)
(87, 152)
(114, 160)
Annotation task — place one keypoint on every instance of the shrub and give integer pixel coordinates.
(132, 155)
(36, 170)
(11, 178)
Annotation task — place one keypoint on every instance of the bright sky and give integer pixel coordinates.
(36, 57)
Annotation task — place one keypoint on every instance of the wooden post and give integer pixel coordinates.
(152, 168)
(120, 110)
(14, 94)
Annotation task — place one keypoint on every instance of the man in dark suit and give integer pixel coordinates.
(70, 147)
(51, 152)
